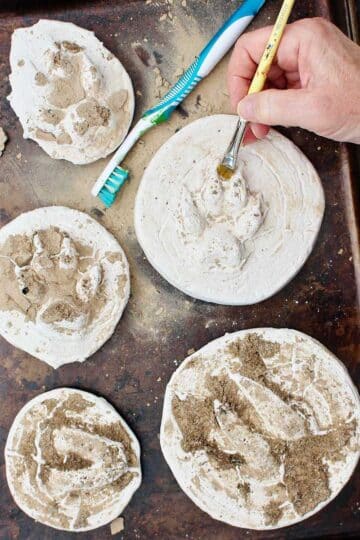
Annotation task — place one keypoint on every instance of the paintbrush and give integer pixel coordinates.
(114, 176)
(227, 166)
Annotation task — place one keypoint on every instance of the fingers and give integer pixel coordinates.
(249, 137)
(246, 56)
(315, 64)
(240, 72)
(302, 108)
(238, 87)
(259, 130)
(255, 132)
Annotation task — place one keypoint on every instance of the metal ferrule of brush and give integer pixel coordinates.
(231, 156)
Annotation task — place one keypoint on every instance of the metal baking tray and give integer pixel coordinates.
(160, 324)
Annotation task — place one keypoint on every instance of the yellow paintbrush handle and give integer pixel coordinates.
(271, 48)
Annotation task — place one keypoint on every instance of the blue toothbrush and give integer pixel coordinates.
(113, 176)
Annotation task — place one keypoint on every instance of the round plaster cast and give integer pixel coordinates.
(72, 96)
(65, 284)
(231, 242)
(72, 463)
(261, 427)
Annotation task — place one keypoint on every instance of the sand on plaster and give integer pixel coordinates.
(65, 281)
(261, 427)
(80, 101)
(72, 463)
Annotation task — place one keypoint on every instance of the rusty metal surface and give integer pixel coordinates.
(160, 324)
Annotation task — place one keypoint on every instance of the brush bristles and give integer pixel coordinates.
(112, 186)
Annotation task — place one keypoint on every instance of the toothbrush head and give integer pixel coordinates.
(112, 186)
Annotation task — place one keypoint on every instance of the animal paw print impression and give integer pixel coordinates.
(54, 280)
(218, 217)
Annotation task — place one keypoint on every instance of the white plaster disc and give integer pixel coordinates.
(236, 242)
(65, 284)
(261, 427)
(72, 96)
(72, 463)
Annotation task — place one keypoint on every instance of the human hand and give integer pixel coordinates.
(314, 82)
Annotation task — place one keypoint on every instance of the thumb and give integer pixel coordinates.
(280, 107)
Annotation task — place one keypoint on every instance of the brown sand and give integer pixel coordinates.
(63, 417)
(50, 281)
(306, 473)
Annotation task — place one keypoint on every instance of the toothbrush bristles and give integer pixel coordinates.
(112, 186)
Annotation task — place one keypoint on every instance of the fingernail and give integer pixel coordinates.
(245, 108)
